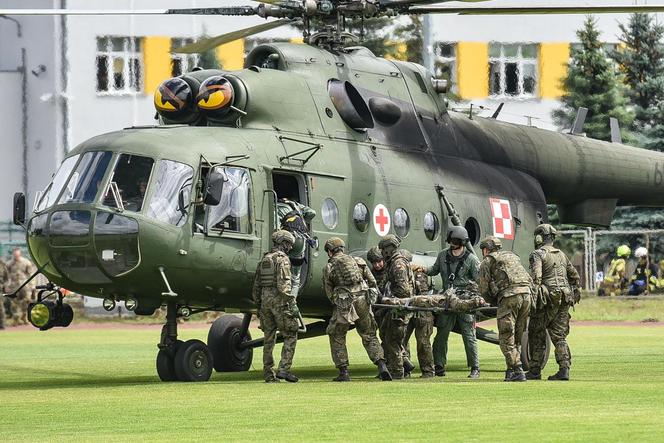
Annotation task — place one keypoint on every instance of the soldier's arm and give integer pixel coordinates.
(485, 278)
(327, 283)
(573, 275)
(366, 273)
(307, 212)
(256, 289)
(435, 269)
(400, 283)
(474, 267)
(535, 261)
(284, 277)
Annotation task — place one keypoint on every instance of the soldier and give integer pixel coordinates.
(457, 267)
(504, 280)
(4, 276)
(422, 325)
(277, 308)
(294, 218)
(400, 281)
(556, 289)
(347, 281)
(20, 269)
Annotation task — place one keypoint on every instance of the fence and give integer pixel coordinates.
(590, 238)
(11, 236)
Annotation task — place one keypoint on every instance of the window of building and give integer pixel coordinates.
(444, 63)
(182, 63)
(119, 65)
(513, 69)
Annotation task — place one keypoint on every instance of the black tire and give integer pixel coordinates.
(525, 352)
(193, 361)
(223, 340)
(166, 363)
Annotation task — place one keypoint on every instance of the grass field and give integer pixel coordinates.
(100, 384)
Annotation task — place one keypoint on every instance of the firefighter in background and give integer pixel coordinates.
(615, 280)
(660, 276)
(644, 278)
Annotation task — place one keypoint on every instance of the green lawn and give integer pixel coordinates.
(648, 308)
(100, 385)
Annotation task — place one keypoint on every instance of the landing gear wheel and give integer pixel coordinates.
(223, 340)
(166, 363)
(525, 352)
(193, 361)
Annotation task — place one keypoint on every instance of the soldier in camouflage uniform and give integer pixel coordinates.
(504, 280)
(348, 281)
(4, 276)
(422, 325)
(295, 217)
(556, 289)
(400, 281)
(277, 308)
(457, 266)
(20, 269)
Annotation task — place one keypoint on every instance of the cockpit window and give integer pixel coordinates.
(130, 180)
(232, 213)
(59, 179)
(172, 192)
(84, 182)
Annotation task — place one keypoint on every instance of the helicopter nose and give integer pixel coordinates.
(87, 247)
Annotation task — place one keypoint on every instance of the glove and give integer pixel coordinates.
(293, 310)
(577, 294)
(542, 296)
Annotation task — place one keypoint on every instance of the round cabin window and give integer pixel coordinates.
(401, 222)
(431, 226)
(361, 217)
(330, 213)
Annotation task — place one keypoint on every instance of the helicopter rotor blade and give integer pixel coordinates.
(535, 10)
(229, 10)
(212, 42)
(397, 3)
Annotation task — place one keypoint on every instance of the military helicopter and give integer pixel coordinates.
(179, 214)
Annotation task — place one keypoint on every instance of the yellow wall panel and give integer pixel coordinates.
(473, 69)
(231, 55)
(553, 60)
(156, 61)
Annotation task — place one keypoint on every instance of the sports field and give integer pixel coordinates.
(99, 384)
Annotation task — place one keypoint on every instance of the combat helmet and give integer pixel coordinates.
(281, 236)
(623, 251)
(389, 240)
(491, 243)
(374, 255)
(545, 229)
(333, 244)
(457, 233)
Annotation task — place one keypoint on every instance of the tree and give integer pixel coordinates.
(592, 83)
(409, 36)
(641, 61)
(208, 59)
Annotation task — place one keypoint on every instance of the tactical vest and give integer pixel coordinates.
(344, 271)
(411, 278)
(508, 272)
(268, 270)
(554, 268)
(421, 283)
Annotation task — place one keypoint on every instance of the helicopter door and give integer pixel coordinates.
(289, 188)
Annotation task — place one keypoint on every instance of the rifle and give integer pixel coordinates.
(453, 214)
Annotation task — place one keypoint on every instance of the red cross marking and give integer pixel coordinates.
(381, 219)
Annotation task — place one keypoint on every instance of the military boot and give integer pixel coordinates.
(408, 367)
(383, 372)
(561, 375)
(474, 372)
(517, 374)
(533, 374)
(343, 374)
(288, 376)
(439, 371)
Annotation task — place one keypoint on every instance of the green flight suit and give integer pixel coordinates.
(297, 255)
(446, 264)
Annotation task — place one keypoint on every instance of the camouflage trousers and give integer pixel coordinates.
(366, 328)
(395, 325)
(2, 313)
(422, 325)
(274, 316)
(19, 306)
(512, 318)
(445, 323)
(554, 319)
